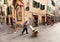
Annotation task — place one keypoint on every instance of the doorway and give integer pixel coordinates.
(43, 20)
(35, 20)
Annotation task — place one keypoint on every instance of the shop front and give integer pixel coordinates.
(35, 20)
(50, 19)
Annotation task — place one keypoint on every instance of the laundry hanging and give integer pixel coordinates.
(5, 1)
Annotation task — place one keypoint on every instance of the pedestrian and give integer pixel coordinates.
(14, 25)
(11, 21)
(7, 20)
(25, 24)
(1, 20)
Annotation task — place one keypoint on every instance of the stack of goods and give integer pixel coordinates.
(35, 32)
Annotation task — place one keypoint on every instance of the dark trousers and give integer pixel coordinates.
(7, 21)
(25, 29)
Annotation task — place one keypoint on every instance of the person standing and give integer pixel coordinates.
(7, 20)
(11, 21)
(14, 24)
(25, 24)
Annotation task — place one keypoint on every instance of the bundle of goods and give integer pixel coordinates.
(35, 32)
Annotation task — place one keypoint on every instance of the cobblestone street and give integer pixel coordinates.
(46, 34)
(16, 16)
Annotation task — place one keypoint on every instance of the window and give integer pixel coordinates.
(53, 3)
(5, 1)
(38, 4)
(35, 4)
(27, 6)
(9, 10)
(48, 8)
(42, 7)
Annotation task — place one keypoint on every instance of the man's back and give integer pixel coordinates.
(25, 24)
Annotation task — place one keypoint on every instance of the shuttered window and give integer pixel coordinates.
(5, 1)
(42, 7)
(36, 4)
(3, 13)
(9, 11)
(48, 8)
(53, 3)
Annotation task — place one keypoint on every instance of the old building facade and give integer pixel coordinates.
(33, 10)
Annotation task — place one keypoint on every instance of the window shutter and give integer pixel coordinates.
(48, 8)
(38, 4)
(5, 1)
(42, 7)
(53, 3)
(35, 4)
(9, 10)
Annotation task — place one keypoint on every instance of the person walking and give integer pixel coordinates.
(7, 20)
(25, 24)
(11, 21)
(14, 24)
